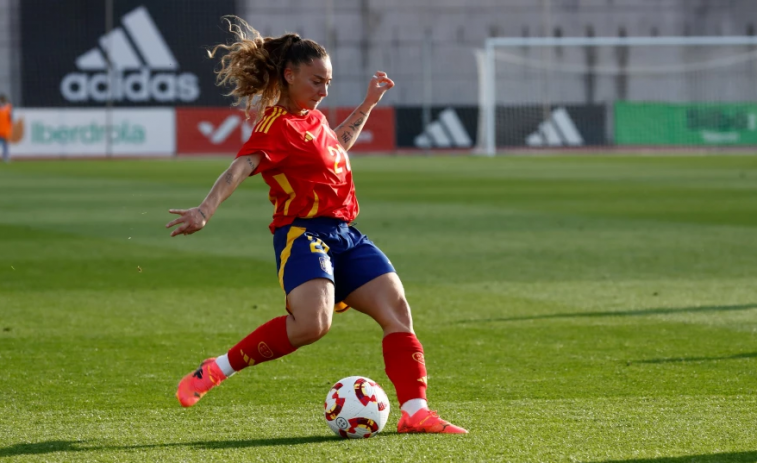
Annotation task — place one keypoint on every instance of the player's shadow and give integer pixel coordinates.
(730, 457)
(39, 448)
(620, 313)
(235, 444)
(745, 355)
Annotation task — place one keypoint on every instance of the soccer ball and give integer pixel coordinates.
(356, 407)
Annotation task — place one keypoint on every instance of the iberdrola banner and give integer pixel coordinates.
(79, 132)
(701, 124)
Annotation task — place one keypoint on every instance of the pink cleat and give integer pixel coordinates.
(427, 421)
(196, 384)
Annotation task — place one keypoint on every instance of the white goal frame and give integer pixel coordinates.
(488, 92)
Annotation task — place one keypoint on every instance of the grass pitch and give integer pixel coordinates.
(572, 309)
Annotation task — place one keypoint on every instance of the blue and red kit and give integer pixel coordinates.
(313, 195)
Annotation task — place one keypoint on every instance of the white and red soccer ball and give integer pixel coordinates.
(356, 407)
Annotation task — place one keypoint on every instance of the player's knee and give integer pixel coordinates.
(317, 327)
(313, 334)
(401, 316)
(311, 305)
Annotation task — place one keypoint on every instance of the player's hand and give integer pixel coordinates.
(378, 85)
(191, 220)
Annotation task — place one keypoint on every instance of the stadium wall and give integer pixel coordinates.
(366, 35)
(427, 47)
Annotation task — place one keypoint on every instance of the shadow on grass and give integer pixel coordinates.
(39, 448)
(746, 355)
(620, 313)
(732, 457)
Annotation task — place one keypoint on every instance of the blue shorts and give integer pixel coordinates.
(328, 248)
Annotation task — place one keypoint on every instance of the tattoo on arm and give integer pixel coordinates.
(356, 125)
(252, 164)
(202, 214)
(350, 130)
(229, 177)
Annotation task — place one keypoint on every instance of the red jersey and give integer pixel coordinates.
(307, 169)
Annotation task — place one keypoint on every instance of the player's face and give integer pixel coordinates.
(311, 83)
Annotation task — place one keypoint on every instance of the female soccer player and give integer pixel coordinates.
(324, 264)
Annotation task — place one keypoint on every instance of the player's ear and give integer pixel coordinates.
(289, 75)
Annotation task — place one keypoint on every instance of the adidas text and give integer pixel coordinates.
(135, 87)
(152, 67)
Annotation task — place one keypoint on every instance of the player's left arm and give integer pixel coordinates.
(348, 131)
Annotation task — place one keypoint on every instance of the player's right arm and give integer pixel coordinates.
(348, 131)
(194, 219)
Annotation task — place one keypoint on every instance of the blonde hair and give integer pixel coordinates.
(254, 65)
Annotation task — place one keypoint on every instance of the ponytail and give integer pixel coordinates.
(254, 65)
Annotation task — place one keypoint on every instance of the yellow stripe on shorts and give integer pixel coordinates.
(293, 234)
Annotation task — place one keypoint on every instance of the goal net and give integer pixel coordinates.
(617, 91)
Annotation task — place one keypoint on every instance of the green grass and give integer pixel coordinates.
(572, 309)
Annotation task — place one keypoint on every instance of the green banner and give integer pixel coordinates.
(703, 124)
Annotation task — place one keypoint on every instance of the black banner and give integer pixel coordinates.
(449, 127)
(456, 127)
(551, 126)
(155, 52)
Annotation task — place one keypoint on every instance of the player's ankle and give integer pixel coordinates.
(224, 365)
(413, 406)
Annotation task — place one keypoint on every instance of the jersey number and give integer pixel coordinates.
(339, 153)
(316, 245)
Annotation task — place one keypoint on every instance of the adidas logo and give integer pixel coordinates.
(558, 130)
(138, 46)
(446, 132)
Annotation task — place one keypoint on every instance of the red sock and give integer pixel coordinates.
(405, 365)
(268, 342)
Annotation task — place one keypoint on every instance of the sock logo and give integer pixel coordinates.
(247, 359)
(418, 357)
(137, 46)
(264, 350)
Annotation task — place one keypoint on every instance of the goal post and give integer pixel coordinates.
(551, 91)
